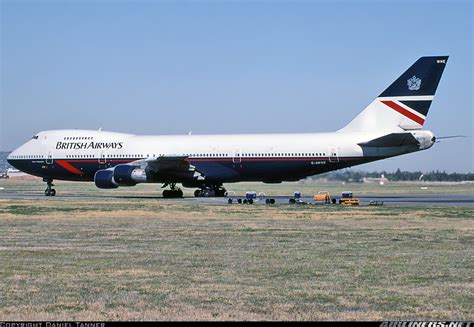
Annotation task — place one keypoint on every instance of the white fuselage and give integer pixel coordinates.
(78, 154)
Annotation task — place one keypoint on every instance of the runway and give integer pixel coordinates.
(405, 200)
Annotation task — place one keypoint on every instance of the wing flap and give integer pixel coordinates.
(168, 163)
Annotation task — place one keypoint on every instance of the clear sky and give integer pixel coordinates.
(150, 67)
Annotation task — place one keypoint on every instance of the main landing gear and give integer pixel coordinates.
(49, 190)
(211, 191)
(175, 192)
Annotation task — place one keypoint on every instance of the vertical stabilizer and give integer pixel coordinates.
(405, 103)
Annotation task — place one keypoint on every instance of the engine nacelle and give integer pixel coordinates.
(120, 175)
(127, 175)
(105, 179)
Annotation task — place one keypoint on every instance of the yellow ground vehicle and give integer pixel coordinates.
(322, 197)
(348, 200)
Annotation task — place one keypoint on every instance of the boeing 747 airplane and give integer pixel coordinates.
(389, 126)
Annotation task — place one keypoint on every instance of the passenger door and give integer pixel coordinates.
(49, 158)
(237, 156)
(333, 154)
(102, 158)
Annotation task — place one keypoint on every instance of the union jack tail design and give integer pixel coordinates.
(405, 103)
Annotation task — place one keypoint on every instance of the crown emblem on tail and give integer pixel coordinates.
(414, 83)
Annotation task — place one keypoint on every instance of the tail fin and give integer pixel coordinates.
(404, 104)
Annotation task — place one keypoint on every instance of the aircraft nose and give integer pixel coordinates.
(10, 157)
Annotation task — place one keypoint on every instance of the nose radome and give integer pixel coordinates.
(10, 156)
(10, 160)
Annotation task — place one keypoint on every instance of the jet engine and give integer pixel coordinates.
(120, 175)
(127, 175)
(104, 178)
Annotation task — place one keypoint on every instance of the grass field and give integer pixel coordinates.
(306, 187)
(156, 259)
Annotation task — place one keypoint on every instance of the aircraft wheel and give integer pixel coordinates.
(49, 190)
(220, 192)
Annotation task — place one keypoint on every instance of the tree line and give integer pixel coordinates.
(399, 175)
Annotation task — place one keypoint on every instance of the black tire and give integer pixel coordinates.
(292, 201)
(47, 193)
(229, 201)
(246, 201)
(267, 201)
(166, 194)
(197, 193)
(53, 192)
(179, 193)
(272, 201)
(239, 201)
(250, 201)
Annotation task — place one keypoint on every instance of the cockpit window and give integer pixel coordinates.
(35, 137)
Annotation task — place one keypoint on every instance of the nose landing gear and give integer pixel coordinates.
(49, 190)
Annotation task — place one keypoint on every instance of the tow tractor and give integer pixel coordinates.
(347, 199)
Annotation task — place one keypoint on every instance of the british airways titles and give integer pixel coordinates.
(88, 145)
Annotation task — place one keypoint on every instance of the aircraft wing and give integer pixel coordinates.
(392, 140)
(169, 165)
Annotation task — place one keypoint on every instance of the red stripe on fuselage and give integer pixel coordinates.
(404, 112)
(68, 167)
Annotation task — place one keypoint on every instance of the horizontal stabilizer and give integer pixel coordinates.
(392, 140)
